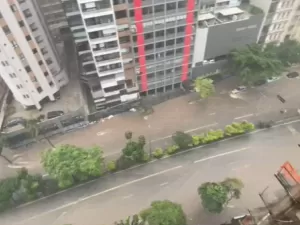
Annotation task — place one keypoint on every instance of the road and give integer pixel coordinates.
(252, 158)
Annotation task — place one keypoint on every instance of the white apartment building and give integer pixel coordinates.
(29, 63)
(281, 20)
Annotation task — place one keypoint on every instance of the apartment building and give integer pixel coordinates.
(223, 25)
(128, 48)
(54, 18)
(281, 20)
(29, 63)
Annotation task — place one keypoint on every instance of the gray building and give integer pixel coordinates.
(220, 30)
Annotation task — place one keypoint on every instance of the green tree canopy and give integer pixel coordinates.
(164, 213)
(69, 164)
(215, 196)
(204, 86)
(255, 63)
(288, 52)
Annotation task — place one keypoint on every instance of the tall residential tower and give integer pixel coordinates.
(29, 62)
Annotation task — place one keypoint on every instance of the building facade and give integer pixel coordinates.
(221, 27)
(128, 48)
(281, 20)
(29, 63)
(132, 48)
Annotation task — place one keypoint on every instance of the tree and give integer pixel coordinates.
(288, 52)
(134, 220)
(215, 196)
(32, 126)
(69, 164)
(183, 140)
(204, 86)
(128, 135)
(255, 63)
(164, 213)
(3, 144)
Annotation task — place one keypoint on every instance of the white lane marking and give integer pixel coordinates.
(60, 216)
(99, 193)
(163, 184)
(292, 129)
(128, 196)
(220, 155)
(187, 131)
(245, 116)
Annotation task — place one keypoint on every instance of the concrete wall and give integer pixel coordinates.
(200, 45)
(221, 39)
(201, 70)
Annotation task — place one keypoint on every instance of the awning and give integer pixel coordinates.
(206, 16)
(231, 11)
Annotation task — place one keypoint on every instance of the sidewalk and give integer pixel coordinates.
(186, 113)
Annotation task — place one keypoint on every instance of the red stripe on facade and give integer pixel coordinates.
(188, 39)
(138, 16)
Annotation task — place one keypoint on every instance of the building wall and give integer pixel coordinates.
(200, 45)
(221, 39)
(24, 66)
(212, 68)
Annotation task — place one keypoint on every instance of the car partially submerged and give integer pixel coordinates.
(239, 89)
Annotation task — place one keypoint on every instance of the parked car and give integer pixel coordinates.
(53, 114)
(14, 122)
(239, 89)
(292, 74)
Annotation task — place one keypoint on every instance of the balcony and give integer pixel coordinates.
(96, 11)
(103, 51)
(104, 39)
(108, 72)
(124, 33)
(108, 62)
(122, 21)
(97, 93)
(98, 27)
(120, 7)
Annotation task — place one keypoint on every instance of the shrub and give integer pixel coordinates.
(111, 166)
(158, 153)
(134, 151)
(247, 127)
(267, 124)
(164, 212)
(124, 162)
(172, 149)
(182, 139)
(197, 140)
(213, 135)
(146, 158)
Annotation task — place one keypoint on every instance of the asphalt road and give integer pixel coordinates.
(253, 158)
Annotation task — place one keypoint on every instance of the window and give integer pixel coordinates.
(19, 86)
(49, 61)
(33, 27)
(51, 84)
(13, 8)
(21, 23)
(39, 39)
(3, 64)
(46, 74)
(21, 1)
(171, 6)
(12, 75)
(14, 44)
(39, 89)
(6, 30)
(34, 50)
(26, 96)
(28, 38)
(40, 62)
(22, 57)
(27, 13)
(44, 51)
(28, 69)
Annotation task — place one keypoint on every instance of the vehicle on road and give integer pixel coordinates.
(292, 75)
(14, 122)
(53, 114)
(239, 89)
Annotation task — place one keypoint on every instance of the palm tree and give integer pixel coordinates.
(3, 143)
(34, 130)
